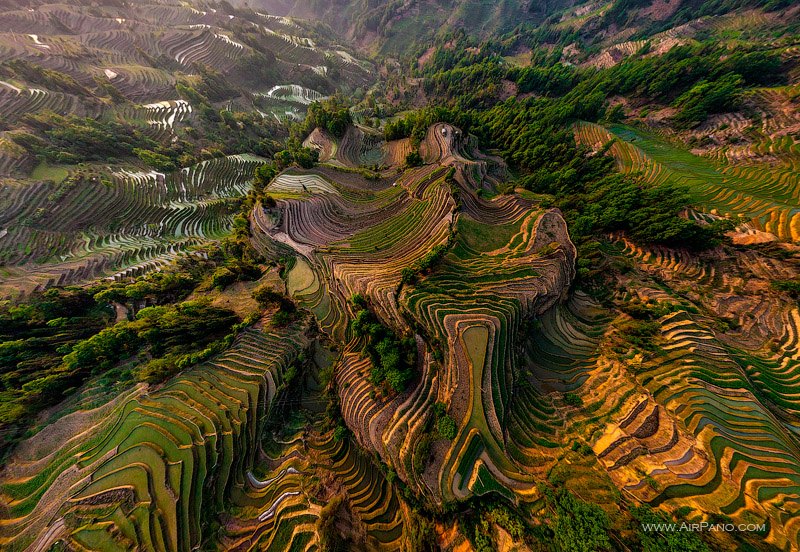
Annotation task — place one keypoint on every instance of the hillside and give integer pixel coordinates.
(402, 27)
(398, 27)
(128, 134)
(399, 276)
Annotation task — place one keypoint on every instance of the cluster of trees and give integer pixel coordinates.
(267, 297)
(304, 157)
(483, 80)
(73, 139)
(571, 523)
(666, 78)
(258, 70)
(168, 336)
(445, 425)
(54, 340)
(697, 79)
(623, 12)
(34, 336)
(393, 359)
(234, 270)
(547, 79)
(222, 130)
(415, 125)
(685, 541)
(487, 512)
(648, 214)
(414, 159)
(450, 51)
(578, 525)
(593, 197)
(332, 115)
(705, 98)
(157, 288)
(792, 287)
(290, 152)
(439, 426)
(534, 134)
(33, 73)
(404, 127)
(210, 84)
(424, 265)
(262, 176)
(158, 161)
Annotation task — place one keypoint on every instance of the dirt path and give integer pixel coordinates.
(121, 312)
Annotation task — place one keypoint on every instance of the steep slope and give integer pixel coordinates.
(672, 406)
(143, 468)
(66, 234)
(458, 366)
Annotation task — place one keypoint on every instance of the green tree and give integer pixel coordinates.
(579, 526)
(414, 159)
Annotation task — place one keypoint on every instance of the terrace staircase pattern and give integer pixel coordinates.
(757, 184)
(142, 475)
(59, 234)
(356, 236)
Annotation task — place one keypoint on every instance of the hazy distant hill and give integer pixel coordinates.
(400, 26)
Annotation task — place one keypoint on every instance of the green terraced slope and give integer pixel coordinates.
(768, 197)
(146, 474)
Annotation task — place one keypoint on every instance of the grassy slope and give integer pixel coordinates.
(711, 186)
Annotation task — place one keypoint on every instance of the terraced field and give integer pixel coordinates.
(763, 194)
(301, 473)
(121, 44)
(65, 233)
(695, 420)
(147, 469)
(287, 101)
(474, 303)
(359, 147)
(201, 461)
(749, 460)
(138, 54)
(533, 376)
(660, 377)
(124, 64)
(713, 422)
(356, 237)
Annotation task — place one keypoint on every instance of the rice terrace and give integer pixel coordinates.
(407, 276)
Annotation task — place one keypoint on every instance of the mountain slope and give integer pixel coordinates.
(110, 116)
(403, 26)
(535, 289)
(400, 26)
